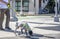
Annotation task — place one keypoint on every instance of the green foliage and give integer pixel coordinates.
(51, 5)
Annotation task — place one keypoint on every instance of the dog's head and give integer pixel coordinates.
(21, 25)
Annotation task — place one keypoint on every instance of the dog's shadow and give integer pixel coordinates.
(36, 36)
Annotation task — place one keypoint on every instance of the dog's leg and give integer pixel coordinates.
(26, 32)
(22, 30)
(16, 31)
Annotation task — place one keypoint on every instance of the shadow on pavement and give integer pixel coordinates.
(39, 35)
(43, 23)
(35, 36)
(12, 31)
(55, 28)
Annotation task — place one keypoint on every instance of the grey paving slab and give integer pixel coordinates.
(43, 28)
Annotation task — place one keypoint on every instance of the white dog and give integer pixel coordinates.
(24, 26)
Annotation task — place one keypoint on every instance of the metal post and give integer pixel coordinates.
(56, 18)
(21, 8)
(35, 7)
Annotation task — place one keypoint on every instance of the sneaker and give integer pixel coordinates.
(1, 29)
(7, 28)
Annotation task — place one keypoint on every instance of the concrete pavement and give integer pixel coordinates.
(43, 28)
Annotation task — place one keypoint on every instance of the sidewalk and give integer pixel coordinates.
(43, 28)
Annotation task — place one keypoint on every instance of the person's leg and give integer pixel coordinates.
(1, 19)
(7, 12)
(17, 27)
